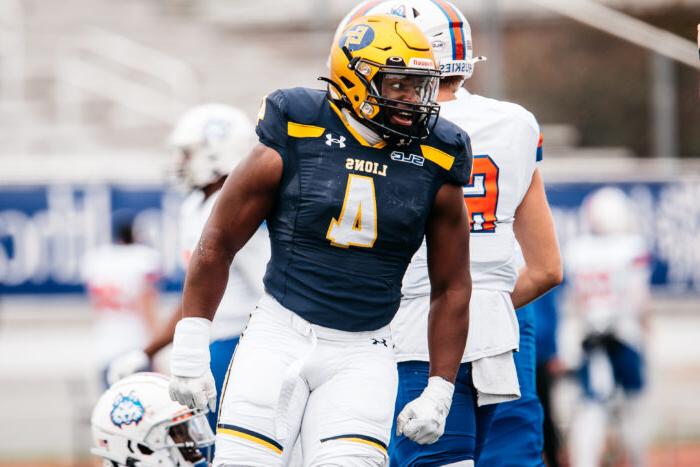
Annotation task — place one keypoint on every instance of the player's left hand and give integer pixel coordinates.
(423, 419)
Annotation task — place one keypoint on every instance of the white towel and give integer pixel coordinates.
(495, 379)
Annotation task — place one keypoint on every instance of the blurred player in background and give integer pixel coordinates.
(210, 140)
(135, 423)
(506, 200)
(608, 275)
(121, 281)
(350, 180)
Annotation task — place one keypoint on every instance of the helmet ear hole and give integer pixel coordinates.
(349, 84)
(144, 449)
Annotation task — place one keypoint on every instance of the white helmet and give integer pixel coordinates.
(445, 26)
(136, 424)
(210, 140)
(608, 211)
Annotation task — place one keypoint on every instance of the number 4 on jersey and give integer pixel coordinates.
(481, 195)
(357, 223)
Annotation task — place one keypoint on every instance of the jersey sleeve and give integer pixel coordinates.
(527, 144)
(531, 140)
(272, 122)
(461, 169)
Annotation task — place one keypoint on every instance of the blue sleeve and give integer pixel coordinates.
(539, 155)
(272, 122)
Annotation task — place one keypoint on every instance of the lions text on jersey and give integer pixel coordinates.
(349, 215)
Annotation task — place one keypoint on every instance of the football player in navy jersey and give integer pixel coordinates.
(349, 181)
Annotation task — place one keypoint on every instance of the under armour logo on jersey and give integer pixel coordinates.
(379, 341)
(340, 141)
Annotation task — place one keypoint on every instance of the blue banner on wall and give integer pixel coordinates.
(669, 219)
(46, 229)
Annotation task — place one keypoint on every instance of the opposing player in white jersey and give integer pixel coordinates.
(608, 276)
(506, 199)
(121, 280)
(210, 140)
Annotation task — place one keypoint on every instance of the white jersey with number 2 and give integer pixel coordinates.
(506, 144)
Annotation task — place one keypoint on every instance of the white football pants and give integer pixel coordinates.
(335, 389)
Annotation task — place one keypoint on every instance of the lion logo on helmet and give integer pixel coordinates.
(127, 410)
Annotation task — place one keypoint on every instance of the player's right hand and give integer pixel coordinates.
(127, 364)
(191, 380)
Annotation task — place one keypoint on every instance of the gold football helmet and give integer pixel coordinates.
(383, 70)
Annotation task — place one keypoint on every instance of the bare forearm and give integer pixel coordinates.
(207, 276)
(532, 284)
(536, 235)
(149, 305)
(448, 324)
(165, 335)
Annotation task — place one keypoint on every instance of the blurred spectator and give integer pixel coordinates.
(121, 281)
(608, 276)
(549, 367)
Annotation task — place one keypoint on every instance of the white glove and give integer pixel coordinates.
(423, 419)
(127, 364)
(191, 380)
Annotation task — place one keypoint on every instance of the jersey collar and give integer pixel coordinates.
(360, 139)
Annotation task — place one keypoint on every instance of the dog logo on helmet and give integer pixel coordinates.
(127, 410)
(357, 37)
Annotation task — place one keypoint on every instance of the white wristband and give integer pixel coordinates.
(439, 388)
(190, 355)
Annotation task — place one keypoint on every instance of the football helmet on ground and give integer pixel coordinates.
(136, 424)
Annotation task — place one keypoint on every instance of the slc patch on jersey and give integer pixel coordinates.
(127, 410)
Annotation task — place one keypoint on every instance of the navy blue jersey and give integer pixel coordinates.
(349, 215)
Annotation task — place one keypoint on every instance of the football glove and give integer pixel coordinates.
(191, 380)
(423, 419)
